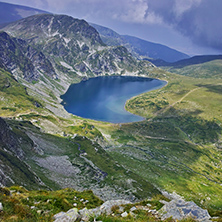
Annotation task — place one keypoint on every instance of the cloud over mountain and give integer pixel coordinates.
(199, 20)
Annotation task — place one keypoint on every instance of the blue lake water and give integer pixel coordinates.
(104, 98)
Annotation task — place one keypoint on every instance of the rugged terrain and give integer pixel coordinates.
(176, 149)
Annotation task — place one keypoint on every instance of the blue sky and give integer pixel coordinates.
(190, 26)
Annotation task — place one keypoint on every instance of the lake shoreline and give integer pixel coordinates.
(103, 98)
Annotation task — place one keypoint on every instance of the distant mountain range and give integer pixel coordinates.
(10, 12)
(138, 47)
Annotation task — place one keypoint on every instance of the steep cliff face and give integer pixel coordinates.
(22, 59)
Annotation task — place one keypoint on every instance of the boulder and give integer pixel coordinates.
(58, 215)
(125, 214)
(85, 214)
(70, 216)
(180, 209)
(133, 209)
(107, 206)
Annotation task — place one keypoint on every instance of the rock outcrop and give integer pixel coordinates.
(179, 209)
(84, 214)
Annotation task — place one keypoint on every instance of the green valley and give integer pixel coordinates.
(175, 150)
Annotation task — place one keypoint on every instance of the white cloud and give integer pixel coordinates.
(134, 11)
(181, 6)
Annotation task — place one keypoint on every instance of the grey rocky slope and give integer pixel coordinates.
(13, 153)
(25, 61)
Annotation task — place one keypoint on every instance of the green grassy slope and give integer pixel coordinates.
(212, 69)
(14, 98)
(81, 162)
(23, 205)
(178, 146)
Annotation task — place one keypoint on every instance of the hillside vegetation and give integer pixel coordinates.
(180, 142)
(207, 70)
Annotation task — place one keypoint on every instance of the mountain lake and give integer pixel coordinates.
(103, 98)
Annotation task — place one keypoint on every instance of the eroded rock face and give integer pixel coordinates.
(17, 56)
(180, 209)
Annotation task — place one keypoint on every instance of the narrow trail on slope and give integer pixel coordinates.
(169, 106)
(185, 96)
(180, 100)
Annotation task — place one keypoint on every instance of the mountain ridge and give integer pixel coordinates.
(73, 44)
(138, 47)
(195, 60)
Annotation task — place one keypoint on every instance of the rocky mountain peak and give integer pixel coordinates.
(46, 26)
(72, 46)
